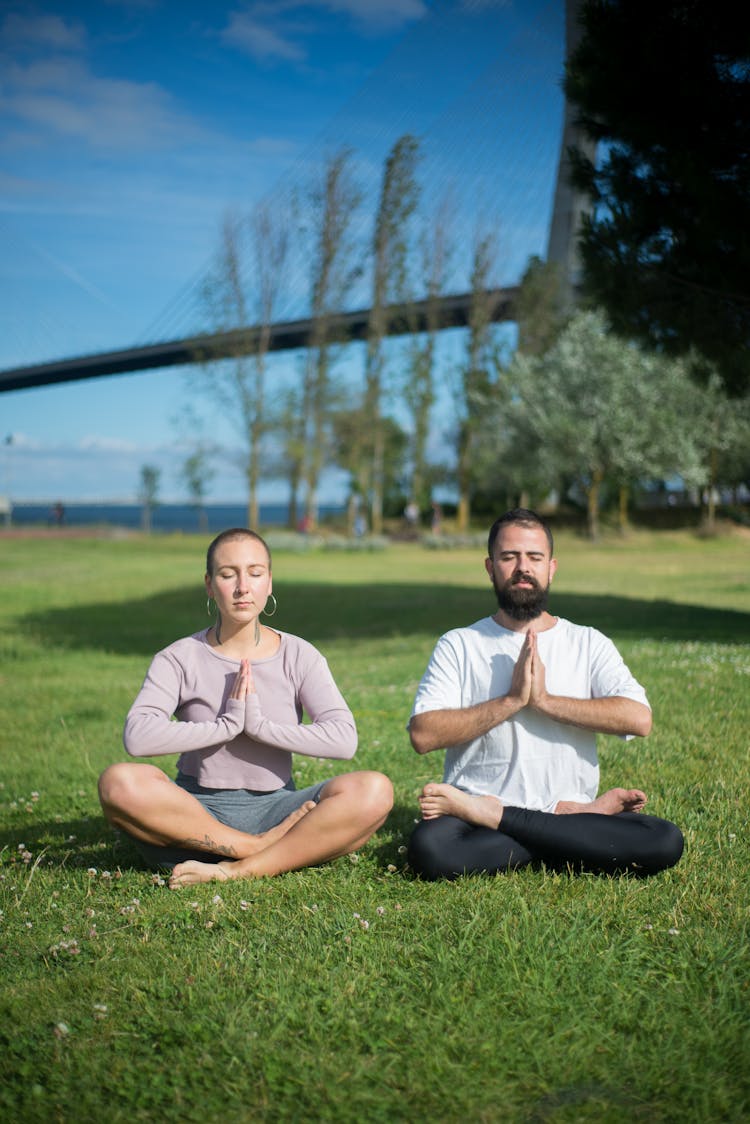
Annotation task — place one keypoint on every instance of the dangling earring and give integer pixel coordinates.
(275, 606)
(208, 607)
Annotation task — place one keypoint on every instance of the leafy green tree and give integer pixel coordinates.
(353, 437)
(601, 410)
(664, 89)
(722, 437)
(541, 306)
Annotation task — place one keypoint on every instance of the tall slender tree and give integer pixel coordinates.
(419, 377)
(477, 376)
(398, 200)
(239, 382)
(333, 271)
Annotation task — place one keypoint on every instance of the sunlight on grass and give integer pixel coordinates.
(352, 992)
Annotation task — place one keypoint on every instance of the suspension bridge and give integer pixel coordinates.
(349, 325)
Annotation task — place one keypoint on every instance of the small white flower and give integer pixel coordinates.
(354, 858)
(380, 911)
(674, 932)
(244, 904)
(365, 924)
(92, 871)
(216, 899)
(61, 1030)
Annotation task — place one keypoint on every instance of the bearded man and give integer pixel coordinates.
(517, 700)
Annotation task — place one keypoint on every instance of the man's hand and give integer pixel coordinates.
(538, 690)
(522, 679)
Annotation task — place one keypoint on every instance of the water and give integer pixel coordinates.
(166, 517)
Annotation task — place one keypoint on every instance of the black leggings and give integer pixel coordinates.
(447, 846)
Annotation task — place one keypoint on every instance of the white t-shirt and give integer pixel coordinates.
(529, 761)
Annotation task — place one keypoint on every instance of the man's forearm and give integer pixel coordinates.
(605, 716)
(440, 729)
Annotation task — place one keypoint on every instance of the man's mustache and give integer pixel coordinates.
(518, 578)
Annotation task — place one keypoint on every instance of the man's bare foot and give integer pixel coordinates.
(192, 871)
(446, 800)
(610, 803)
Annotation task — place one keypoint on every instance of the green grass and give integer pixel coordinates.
(528, 998)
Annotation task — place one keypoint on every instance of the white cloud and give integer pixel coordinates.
(49, 31)
(249, 34)
(275, 30)
(62, 97)
(379, 15)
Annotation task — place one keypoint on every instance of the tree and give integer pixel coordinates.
(351, 438)
(239, 383)
(147, 494)
(334, 205)
(196, 473)
(476, 387)
(541, 306)
(722, 438)
(605, 411)
(418, 388)
(664, 89)
(390, 250)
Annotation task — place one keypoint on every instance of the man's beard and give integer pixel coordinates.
(521, 604)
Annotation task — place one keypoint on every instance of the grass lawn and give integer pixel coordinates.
(352, 992)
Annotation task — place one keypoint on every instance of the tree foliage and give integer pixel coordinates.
(601, 410)
(664, 89)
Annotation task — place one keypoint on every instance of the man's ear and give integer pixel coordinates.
(552, 568)
(488, 567)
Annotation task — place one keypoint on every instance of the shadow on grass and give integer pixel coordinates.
(75, 843)
(91, 842)
(322, 612)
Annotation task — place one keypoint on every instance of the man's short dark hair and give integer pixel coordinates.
(520, 516)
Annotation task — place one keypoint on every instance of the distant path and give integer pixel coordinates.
(83, 532)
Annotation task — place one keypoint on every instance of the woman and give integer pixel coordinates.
(238, 690)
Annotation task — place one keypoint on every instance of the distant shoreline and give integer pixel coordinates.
(78, 518)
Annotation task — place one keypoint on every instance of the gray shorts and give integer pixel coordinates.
(240, 808)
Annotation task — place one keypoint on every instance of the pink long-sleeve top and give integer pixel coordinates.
(184, 707)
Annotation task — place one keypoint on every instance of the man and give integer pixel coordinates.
(517, 700)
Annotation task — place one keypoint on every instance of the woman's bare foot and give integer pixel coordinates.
(192, 871)
(266, 838)
(610, 803)
(446, 800)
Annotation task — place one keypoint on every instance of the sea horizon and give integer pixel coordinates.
(174, 517)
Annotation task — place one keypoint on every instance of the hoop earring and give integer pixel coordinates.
(208, 606)
(275, 606)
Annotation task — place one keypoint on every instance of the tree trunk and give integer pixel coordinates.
(622, 508)
(592, 499)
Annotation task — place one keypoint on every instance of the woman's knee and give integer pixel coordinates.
(371, 793)
(122, 786)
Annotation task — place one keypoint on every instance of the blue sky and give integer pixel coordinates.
(128, 127)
